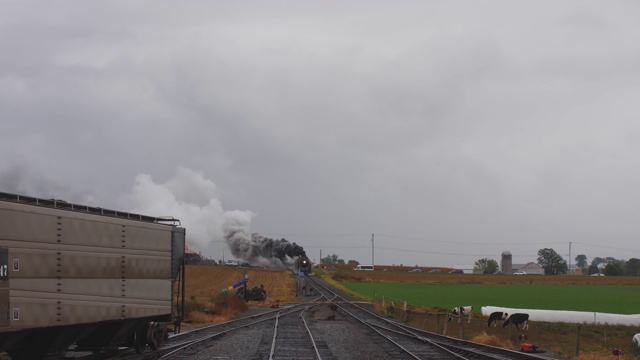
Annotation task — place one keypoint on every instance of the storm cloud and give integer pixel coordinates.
(450, 130)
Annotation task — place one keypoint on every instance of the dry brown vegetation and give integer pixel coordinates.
(492, 340)
(205, 301)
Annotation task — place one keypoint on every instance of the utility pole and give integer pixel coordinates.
(320, 261)
(569, 257)
(372, 262)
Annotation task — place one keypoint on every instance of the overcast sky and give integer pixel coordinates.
(452, 130)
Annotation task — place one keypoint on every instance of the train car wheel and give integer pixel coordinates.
(140, 340)
(155, 335)
(152, 336)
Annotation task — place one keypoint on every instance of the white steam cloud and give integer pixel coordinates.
(190, 197)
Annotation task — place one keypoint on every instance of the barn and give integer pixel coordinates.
(191, 257)
(529, 268)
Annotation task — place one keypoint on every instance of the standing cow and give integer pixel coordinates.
(517, 319)
(460, 312)
(495, 317)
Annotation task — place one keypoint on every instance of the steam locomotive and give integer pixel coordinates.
(303, 264)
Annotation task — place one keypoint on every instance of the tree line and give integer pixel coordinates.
(334, 259)
(554, 264)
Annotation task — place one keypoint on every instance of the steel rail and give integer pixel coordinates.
(489, 351)
(175, 349)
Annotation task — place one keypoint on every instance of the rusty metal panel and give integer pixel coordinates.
(18, 224)
(144, 237)
(89, 232)
(38, 285)
(91, 265)
(132, 290)
(149, 289)
(33, 263)
(77, 312)
(133, 311)
(148, 267)
(36, 309)
(32, 312)
(41, 224)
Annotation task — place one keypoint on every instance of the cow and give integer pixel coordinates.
(460, 312)
(517, 319)
(495, 317)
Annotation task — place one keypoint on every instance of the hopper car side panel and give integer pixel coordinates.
(67, 268)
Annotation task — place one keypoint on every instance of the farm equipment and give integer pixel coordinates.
(254, 294)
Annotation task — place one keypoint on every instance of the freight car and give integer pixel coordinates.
(86, 277)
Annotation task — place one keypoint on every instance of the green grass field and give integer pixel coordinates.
(617, 299)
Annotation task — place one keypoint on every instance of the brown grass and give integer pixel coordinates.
(492, 340)
(205, 302)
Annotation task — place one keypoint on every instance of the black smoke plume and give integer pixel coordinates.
(257, 249)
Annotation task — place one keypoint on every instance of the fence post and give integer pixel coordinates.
(461, 324)
(445, 325)
(578, 341)
(424, 320)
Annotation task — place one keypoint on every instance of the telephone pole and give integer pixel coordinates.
(569, 257)
(372, 262)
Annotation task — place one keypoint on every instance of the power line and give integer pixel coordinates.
(605, 246)
(424, 240)
(410, 251)
(316, 235)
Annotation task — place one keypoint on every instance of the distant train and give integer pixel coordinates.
(303, 264)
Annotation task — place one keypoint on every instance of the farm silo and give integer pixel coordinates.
(506, 263)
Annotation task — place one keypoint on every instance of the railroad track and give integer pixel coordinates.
(406, 342)
(185, 345)
(290, 337)
(286, 334)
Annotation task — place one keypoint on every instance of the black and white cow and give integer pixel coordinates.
(495, 317)
(517, 319)
(460, 312)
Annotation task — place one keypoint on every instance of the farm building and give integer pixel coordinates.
(529, 268)
(505, 263)
(191, 257)
(466, 268)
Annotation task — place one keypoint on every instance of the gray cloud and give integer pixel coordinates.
(444, 128)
